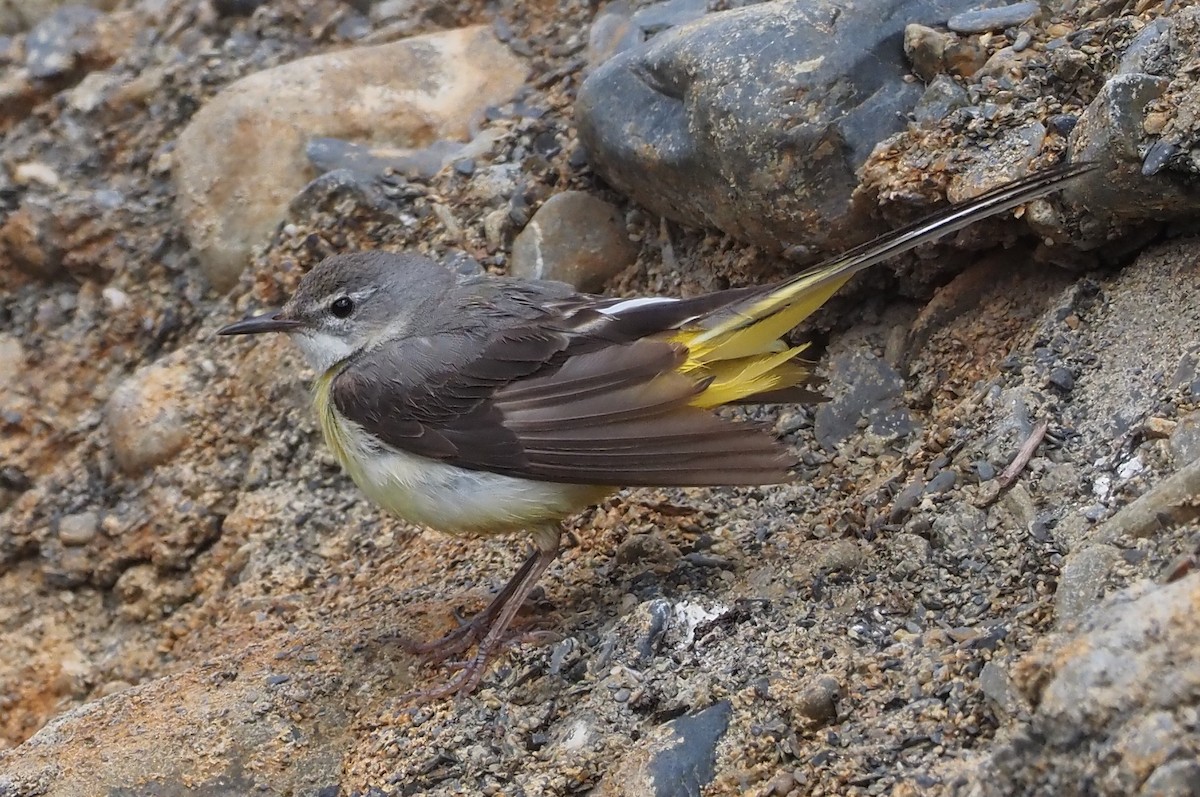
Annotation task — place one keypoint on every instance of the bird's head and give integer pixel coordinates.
(351, 302)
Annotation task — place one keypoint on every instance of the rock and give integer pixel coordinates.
(242, 158)
(1113, 704)
(839, 556)
(147, 416)
(925, 47)
(1168, 502)
(12, 361)
(703, 124)
(329, 190)
(1082, 582)
(816, 700)
(676, 759)
(1184, 439)
(942, 96)
(20, 15)
(615, 29)
(1149, 50)
(31, 238)
(264, 720)
(78, 529)
(998, 687)
(54, 44)
(1007, 158)
(874, 391)
(984, 20)
(1119, 195)
(418, 163)
(942, 483)
(574, 238)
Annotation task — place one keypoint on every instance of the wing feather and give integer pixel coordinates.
(552, 406)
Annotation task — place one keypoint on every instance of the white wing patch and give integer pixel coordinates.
(630, 304)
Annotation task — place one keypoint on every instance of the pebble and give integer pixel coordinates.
(925, 48)
(906, 501)
(984, 20)
(32, 239)
(874, 390)
(909, 552)
(1081, 585)
(997, 686)
(941, 96)
(941, 483)
(675, 759)
(1183, 439)
(146, 416)
(12, 361)
(816, 700)
(241, 158)
(1062, 379)
(53, 45)
(840, 556)
(78, 529)
(575, 238)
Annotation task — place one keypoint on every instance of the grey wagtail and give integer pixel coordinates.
(482, 405)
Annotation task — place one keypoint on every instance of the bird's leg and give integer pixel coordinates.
(467, 633)
(502, 611)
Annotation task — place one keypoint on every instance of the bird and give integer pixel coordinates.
(481, 405)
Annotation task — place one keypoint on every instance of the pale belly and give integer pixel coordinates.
(450, 499)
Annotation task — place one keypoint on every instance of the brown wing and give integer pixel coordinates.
(551, 406)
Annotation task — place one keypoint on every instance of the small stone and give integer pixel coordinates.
(993, 19)
(681, 752)
(1184, 438)
(31, 238)
(575, 238)
(984, 469)
(1062, 123)
(1082, 582)
(965, 57)
(816, 700)
(941, 483)
(942, 96)
(146, 416)
(910, 553)
(997, 686)
(53, 44)
(611, 32)
(840, 556)
(1173, 779)
(1062, 379)
(874, 390)
(78, 529)
(1169, 502)
(12, 360)
(1157, 428)
(925, 48)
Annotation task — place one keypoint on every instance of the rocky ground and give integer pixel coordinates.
(193, 598)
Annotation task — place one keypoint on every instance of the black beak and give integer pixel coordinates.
(267, 322)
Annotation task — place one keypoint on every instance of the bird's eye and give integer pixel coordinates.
(342, 306)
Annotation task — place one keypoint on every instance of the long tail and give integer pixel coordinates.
(743, 352)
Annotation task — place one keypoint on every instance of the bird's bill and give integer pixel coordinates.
(267, 322)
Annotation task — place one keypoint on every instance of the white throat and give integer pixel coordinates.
(322, 350)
